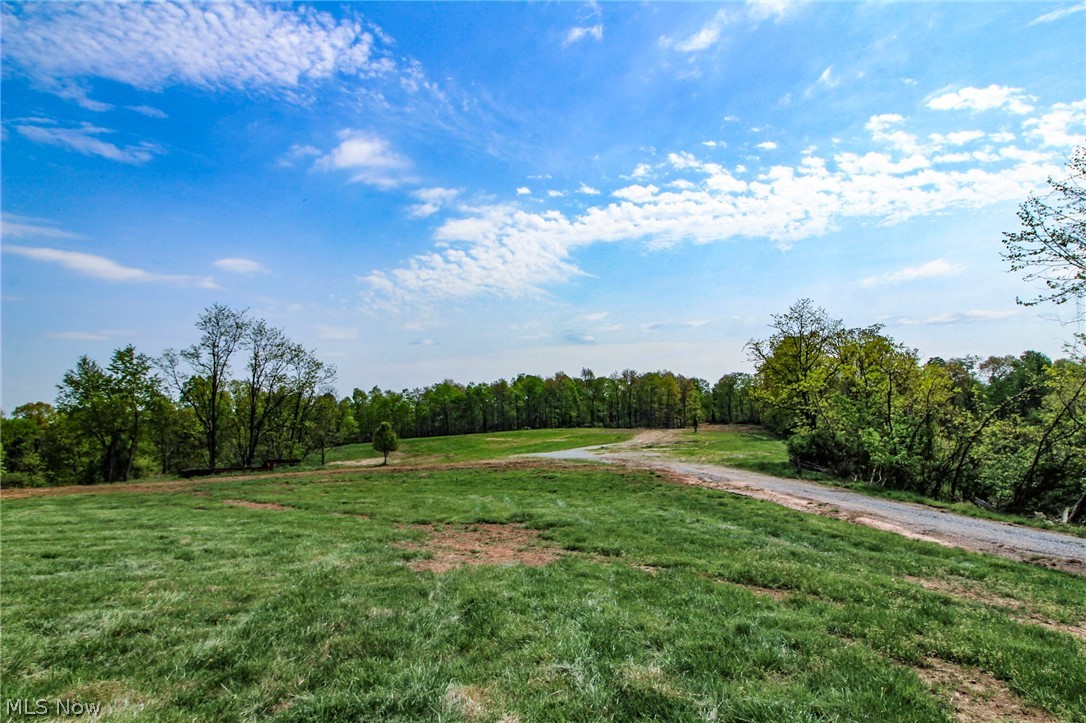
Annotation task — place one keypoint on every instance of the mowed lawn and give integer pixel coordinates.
(492, 445)
(643, 600)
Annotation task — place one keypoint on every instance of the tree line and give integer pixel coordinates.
(138, 416)
(851, 402)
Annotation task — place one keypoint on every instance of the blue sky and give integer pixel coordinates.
(423, 191)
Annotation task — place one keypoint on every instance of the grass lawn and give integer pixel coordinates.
(493, 445)
(661, 601)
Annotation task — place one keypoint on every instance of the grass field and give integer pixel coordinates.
(317, 601)
(471, 447)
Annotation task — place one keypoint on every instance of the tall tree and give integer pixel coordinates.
(199, 373)
(1051, 244)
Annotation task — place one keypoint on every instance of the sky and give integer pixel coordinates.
(422, 191)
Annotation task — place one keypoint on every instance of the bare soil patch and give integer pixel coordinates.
(975, 696)
(1020, 609)
(482, 544)
(256, 505)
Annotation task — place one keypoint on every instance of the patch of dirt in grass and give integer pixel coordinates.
(256, 505)
(975, 696)
(470, 701)
(1018, 608)
(481, 544)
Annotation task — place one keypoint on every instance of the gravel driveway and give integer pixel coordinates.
(1016, 542)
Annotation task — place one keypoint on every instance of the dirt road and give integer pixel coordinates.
(918, 522)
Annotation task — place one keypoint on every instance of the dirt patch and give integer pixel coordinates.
(482, 544)
(1018, 609)
(976, 696)
(470, 701)
(256, 505)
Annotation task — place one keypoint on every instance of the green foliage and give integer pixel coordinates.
(857, 405)
(385, 439)
(1050, 246)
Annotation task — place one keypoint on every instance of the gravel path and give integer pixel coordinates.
(1027, 544)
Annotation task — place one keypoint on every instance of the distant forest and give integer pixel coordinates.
(851, 402)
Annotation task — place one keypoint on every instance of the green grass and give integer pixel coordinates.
(176, 606)
(751, 448)
(493, 445)
(743, 446)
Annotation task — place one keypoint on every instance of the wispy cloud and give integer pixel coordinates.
(16, 226)
(932, 269)
(754, 11)
(661, 325)
(432, 200)
(100, 267)
(86, 139)
(240, 266)
(577, 34)
(148, 110)
(704, 38)
(994, 96)
(1058, 14)
(959, 317)
(82, 335)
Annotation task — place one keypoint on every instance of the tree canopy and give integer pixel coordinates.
(1050, 246)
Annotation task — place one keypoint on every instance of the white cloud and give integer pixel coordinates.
(709, 34)
(85, 139)
(767, 146)
(147, 110)
(881, 127)
(240, 266)
(81, 335)
(80, 96)
(994, 96)
(297, 153)
(1058, 14)
(931, 269)
(555, 194)
(588, 190)
(958, 138)
(369, 157)
(580, 33)
(1062, 127)
(704, 38)
(16, 226)
(827, 79)
(212, 46)
(99, 267)
(766, 9)
(502, 250)
(524, 191)
(433, 200)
